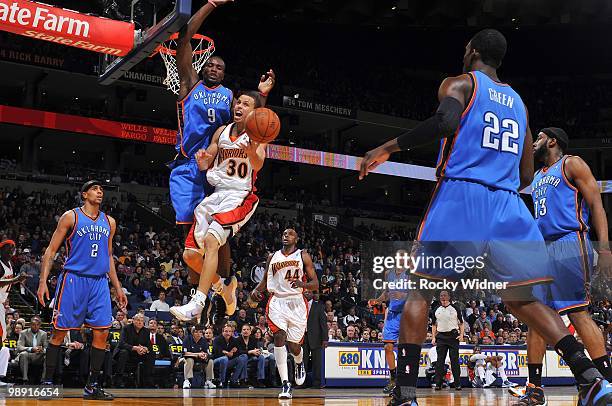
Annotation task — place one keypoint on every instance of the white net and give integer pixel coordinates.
(203, 48)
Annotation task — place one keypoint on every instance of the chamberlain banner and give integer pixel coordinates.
(86, 125)
(66, 27)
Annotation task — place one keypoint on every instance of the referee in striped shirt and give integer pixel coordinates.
(447, 330)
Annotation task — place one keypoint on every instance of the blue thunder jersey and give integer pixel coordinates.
(559, 208)
(488, 144)
(200, 113)
(397, 296)
(87, 246)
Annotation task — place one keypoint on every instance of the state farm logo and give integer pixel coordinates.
(34, 15)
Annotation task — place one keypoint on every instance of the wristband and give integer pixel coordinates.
(212, 3)
(604, 252)
(262, 94)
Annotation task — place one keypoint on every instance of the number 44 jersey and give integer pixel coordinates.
(488, 144)
(232, 169)
(283, 271)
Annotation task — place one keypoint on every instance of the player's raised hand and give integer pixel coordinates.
(219, 2)
(43, 292)
(204, 159)
(266, 82)
(372, 159)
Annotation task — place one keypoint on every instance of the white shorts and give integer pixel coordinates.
(221, 214)
(289, 314)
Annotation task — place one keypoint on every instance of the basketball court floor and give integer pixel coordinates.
(558, 396)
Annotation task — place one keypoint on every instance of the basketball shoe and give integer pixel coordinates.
(517, 391)
(300, 374)
(286, 392)
(192, 309)
(598, 393)
(95, 392)
(228, 292)
(533, 396)
(398, 400)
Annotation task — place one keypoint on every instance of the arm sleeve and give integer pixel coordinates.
(442, 124)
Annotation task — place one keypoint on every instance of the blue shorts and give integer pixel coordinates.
(468, 219)
(82, 300)
(392, 326)
(187, 188)
(572, 258)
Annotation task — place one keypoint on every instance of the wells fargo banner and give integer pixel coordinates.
(66, 27)
(86, 125)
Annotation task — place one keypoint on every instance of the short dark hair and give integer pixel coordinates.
(198, 327)
(254, 95)
(491, 45)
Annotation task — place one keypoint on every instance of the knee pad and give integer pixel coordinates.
(220, 233)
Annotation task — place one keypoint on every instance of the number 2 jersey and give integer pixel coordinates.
(488, 144)
(559, 208)
(232, 169)
(283, 270)
(87, 247)
(200, 113)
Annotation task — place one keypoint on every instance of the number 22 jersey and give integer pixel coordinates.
(488, 145)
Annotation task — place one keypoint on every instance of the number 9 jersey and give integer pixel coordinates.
(488, 144)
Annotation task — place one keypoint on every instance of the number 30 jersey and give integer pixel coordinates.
(283, 270)
(87, 247)
(232, 168)
(488, 144)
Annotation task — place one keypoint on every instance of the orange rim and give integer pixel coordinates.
(165, 49)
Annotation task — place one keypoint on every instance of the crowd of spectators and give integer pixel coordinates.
(149, 265)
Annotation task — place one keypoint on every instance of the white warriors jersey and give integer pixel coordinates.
(8, 274)
(232, 169)
(284, 270)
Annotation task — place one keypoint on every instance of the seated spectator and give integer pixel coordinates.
(350, 317)
(136, 289)
(160, 304)
(31, 347)
(177, 333)
(135, 347)
(247, 344)
(365, 336)
(482, 322)
(225, 354)
(196, 350)
(240, 319)
(351, 334)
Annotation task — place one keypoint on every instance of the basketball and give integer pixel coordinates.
(263, 125)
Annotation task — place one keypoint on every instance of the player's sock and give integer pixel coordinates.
(51, 361)
(96, 359)
(501, 372)
(573, 354)
(535, 374)
(280, 353)
(604, 367)
(392, 373)
(408, 356)
(299, 358)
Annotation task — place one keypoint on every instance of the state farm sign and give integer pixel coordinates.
(66, 27)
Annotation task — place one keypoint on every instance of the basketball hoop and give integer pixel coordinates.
(203, 48)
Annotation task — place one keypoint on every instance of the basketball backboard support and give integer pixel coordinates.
(146, 41)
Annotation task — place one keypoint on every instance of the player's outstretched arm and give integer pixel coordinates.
(112, 273)
(313, 281)
(257, 293)
(188, 77)
(64, 225)
(454, 94)
(580, 174)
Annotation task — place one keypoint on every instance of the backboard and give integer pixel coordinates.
(146, 41)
